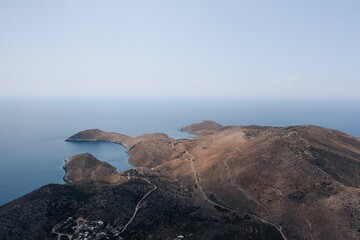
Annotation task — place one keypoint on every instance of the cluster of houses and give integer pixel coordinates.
(82, 229)
(89, 230)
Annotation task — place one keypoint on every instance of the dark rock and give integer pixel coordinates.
(297, 196)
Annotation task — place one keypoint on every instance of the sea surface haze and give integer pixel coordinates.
(33, 130)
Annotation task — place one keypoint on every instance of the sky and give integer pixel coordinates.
(187, 48)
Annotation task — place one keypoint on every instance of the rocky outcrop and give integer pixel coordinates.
(202, 128)
(98, 135)
(85, 168)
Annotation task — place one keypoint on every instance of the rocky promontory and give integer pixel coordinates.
(98, 135)
(202, 128)
(85, 168)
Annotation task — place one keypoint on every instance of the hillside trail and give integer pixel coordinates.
(206, 198)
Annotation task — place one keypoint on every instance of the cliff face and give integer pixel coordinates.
(299, 182)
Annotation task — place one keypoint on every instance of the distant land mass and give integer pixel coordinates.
(228, 182)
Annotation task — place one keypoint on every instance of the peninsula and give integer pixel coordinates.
(233, 182)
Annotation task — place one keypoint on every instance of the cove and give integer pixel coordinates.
(112, 153)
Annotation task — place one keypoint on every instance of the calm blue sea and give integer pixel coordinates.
(33, 130)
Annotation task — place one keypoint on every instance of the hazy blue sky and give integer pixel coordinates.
(180, 48)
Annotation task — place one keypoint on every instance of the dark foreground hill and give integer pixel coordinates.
(229, 183)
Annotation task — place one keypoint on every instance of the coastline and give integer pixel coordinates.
(68, 159)
(94, 140)
(66, 172)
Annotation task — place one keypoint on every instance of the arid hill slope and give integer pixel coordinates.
(300, 182)
(305, 178)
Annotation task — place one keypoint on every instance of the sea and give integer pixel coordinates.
(33, 129)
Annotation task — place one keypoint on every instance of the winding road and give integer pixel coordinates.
(240, 189)
(191, 158)
(69, 236)
(139, 205)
